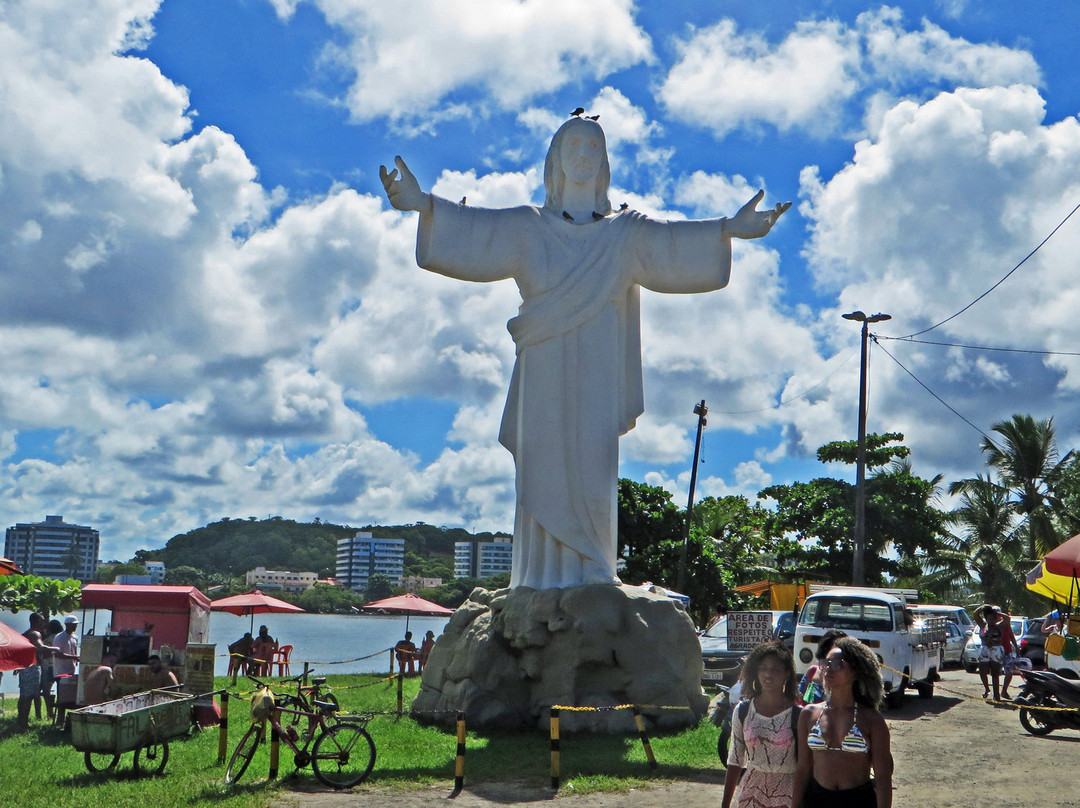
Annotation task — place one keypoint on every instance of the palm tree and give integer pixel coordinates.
(1027, 463)
(984, 552)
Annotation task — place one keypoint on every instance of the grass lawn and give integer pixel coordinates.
(40, 768)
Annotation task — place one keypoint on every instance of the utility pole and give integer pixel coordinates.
(700, 410)
(858, 562)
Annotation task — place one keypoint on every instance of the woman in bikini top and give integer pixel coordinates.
(853, 769)
(853, 741)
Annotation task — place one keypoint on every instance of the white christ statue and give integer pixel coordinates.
(576, 384)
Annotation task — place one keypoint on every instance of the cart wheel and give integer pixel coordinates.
(152, 759)
(100, 761)
(243, 754)
(343, 756)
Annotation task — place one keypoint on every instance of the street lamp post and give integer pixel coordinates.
(700, 410)
(858, 564)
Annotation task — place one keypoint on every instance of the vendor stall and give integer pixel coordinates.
(172, 622)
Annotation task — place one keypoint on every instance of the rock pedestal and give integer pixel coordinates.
(507, 656)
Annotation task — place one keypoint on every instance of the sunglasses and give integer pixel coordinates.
(835, 663)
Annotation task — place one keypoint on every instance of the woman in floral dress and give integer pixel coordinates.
(761, 762)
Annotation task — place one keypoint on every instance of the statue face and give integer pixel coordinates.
(581, 154)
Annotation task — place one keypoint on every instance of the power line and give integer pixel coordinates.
(980, 347)
(996, 285)
(927, 389)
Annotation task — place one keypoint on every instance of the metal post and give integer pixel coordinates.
(700, 410)
(223, 728)
(858, 563)
(554, 730)
(459, 766)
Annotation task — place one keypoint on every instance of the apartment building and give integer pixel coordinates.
(365, 555)
(280, 580)
(54, 549)
(482, 559)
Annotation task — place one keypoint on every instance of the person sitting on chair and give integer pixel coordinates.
(240, 656)
(264, 650)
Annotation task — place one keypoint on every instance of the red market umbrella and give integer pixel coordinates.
(253, 603)
(15, 650)
(1065, 558)
(408, 604)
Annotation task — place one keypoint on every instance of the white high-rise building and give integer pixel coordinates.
(364, 555)
(54, 549)
(482, 559)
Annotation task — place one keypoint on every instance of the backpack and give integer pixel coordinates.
(744, 709)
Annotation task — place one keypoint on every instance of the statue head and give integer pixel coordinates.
(555, 171)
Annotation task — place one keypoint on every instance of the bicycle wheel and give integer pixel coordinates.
(245, 751)
(290, 702)
(344, 755)
(151, 759)
(100, 761)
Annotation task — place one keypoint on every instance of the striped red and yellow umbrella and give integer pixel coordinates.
(1057, 576)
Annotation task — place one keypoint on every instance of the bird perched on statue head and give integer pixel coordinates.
(593, 117)
(578, 112)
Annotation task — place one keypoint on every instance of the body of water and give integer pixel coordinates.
(331, 643)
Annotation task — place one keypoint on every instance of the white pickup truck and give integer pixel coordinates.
(909, 649)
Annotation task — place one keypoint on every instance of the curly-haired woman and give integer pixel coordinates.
(761, 761)
(845, 739)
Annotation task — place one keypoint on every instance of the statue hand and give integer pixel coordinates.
(750, 222)
(404, 193)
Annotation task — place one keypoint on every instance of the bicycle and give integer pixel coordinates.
(343, 754)
(306, 695)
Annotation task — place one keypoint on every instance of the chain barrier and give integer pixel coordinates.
(986, 700)
(310, 661)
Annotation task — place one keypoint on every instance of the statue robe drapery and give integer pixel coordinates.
(576, 384)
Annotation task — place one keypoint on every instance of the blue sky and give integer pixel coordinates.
(209, 309)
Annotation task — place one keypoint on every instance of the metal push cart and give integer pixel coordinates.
(143, 722)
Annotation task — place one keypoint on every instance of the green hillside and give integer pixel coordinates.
(231, 547)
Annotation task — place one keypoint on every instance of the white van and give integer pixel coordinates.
(908, 648)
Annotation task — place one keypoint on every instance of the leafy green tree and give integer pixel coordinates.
(106, 573)
(904, 529)
(327, 599)
(34, 593)
(705, 579)
(378, 587)
(646, 516)
(185, 576)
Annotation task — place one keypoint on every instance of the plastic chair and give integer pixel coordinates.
(281, 659)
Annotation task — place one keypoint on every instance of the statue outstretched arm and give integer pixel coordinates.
(750, 222)
(405, 193)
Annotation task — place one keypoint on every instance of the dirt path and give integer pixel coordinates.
(952, 751)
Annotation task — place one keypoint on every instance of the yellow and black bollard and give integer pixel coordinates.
(275, 750)
(459, 764)
(640, 722)
(555, 748)
(223, 728)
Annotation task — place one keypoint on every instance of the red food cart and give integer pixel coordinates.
(170, 621)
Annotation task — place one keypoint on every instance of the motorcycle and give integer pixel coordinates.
(1046, 689)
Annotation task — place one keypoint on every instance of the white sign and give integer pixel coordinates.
(748, 629)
